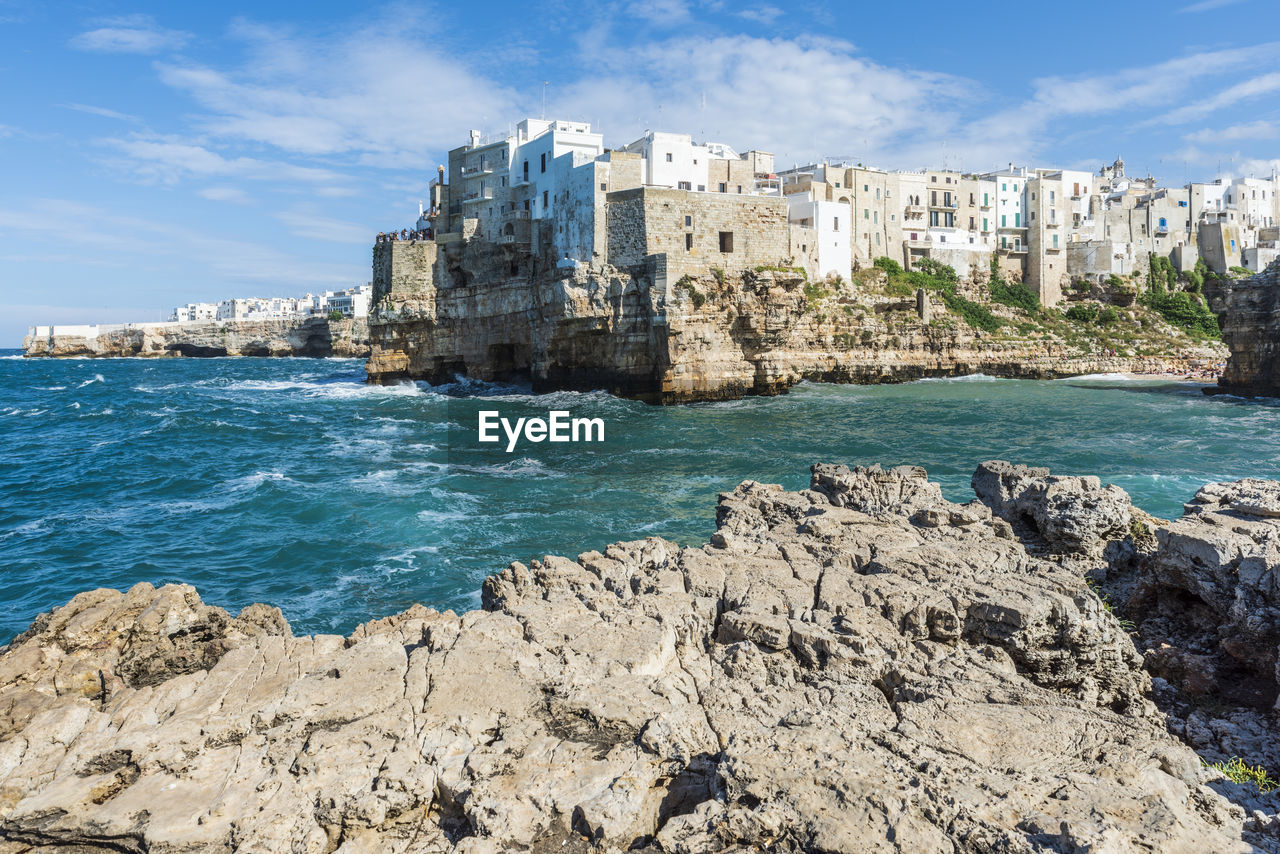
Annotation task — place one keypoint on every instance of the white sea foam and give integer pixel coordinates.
(97, 378)
(19, 356)
(1113, 378)
(47, 387)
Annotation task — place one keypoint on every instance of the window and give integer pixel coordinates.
(695, 161)
(835, 224)
(668, 156)
(688, 222)
(684, 185)
(739, 189)
(726, 241)
(1015, 188)
(984, 224)
(1004, 187)
(1033, 216)
(877, 238)
(1055, 241)
(1052, 197)
(526, 170)
(1017, 220)
(877, 194)
(702, 188)
(933, 179)
(866, 213)
(866, 188)
(1033, 197)
(688, 242)
(971, 223)
(875, 217)
(724, 188)
(604, 187)
(1003, 222)
(544, 200)
(544, 161)
(933, 197)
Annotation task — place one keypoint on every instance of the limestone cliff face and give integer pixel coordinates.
(1249, 312)
(313, 336)
(641, 332)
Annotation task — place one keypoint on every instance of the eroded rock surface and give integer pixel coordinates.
(860, 666)
(1249, 311)
(294, 336)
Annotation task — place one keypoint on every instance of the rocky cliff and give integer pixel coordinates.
(312, 336)
(637, 333)
(859, 666)
(1249, 313)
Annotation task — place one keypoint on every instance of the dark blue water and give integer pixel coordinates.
(292, 482)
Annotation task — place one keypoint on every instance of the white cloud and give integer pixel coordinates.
(801, 97)
(662, 13)
(225, 194)
(366, 93)
(130, 34)
(99, 111)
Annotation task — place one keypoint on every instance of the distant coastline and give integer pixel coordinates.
(287, 336)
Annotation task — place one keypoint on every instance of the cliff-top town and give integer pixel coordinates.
(555, 182)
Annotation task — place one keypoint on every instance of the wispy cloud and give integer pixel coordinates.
(99, 111)
(761, 14)
(167, 160)
(1207, 5)
(130, 34)
(225, 194)
(311, 225)
(1264, 84)
(1236, 133)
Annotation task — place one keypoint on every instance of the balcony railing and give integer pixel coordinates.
(482, 195)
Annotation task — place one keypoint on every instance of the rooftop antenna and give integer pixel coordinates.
(544, 99)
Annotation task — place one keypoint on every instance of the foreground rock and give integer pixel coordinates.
(306, 336)
(1249, 311)
(860, 666)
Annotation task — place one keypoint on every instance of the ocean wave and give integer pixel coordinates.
(97, 378)
(46, 387)
(19, 356)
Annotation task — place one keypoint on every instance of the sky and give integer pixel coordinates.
(158, 154)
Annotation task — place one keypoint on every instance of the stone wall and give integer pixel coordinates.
(650, 221)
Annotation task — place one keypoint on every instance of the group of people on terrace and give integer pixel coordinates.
(404, 234)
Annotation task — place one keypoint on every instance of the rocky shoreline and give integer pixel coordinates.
(307, 336)
(858, 666)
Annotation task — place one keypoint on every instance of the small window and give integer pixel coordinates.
(877, 238)
(739, 189)
(688, 242)
(724, 188)
(668, 156)
(688, 221)
(544, 200)
(544, 162)
(726, 241)
(683, 185)
(877, 194)
(702, 188)
(866, 188)
(604, 187)
(835, 224)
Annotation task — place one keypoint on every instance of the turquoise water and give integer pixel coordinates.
(292, 482)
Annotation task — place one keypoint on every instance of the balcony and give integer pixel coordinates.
(483, 195)
(945, 206)
(473, 170)
(1053, 223)
(521, 181)
(915, 210)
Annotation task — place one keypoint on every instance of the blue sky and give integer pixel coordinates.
(154, 154)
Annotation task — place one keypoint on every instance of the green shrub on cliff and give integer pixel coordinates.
(1014, 295)
(1240, 271)
(337, 315)
(685, 285)
(1108, 316)
(1086, 312)
(974, 314)
(889, 265)
(1184, 310)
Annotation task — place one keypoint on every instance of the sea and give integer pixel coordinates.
(293, 482)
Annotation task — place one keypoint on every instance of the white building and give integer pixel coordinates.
(1010, 209)
(831, 222)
